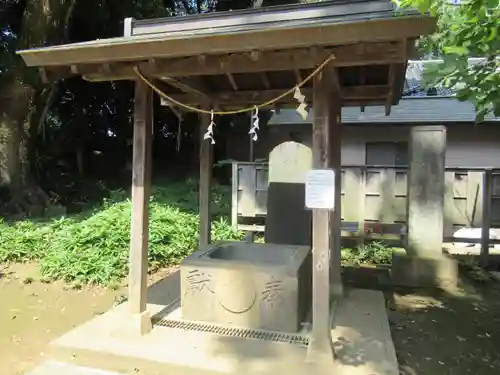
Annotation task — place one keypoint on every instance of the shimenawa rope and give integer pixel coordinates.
(234, 112)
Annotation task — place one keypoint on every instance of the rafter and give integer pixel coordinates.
(265, 80)
(43, 75)
(232, 81)
(348, 96)
(302, 58)
(188, 85)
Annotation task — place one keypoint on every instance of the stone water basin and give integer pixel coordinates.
(250, 285)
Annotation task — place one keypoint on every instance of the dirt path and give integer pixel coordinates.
(447, 334)
(441, 333)
(435, 333)
(33, 313)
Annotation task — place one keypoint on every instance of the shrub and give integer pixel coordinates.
(23, 241)
(93, 247)
(373, 253)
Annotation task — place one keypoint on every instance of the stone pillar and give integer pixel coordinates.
(425, 193)
(423, 263)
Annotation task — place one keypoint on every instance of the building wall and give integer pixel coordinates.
(378, 193)
(373, 195)
(468, 145)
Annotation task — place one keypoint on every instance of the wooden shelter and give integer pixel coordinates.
(239, 59)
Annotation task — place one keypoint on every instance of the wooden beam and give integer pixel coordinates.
(106, 68)
(379, 53)
(265, 80)
(409, 49)
(298, 76)
(141, 185)
(250, 97)
(320, 347)
(264, 39)
(255, 56)
(205, 191)
(365, 92)
(188, 85)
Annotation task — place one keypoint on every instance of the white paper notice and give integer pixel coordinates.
(320, 189)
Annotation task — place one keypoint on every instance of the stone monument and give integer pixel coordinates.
(259, 286)
(424, 263)
(288, 221)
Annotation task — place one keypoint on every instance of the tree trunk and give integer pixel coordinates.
(12, 114)
(25, 100)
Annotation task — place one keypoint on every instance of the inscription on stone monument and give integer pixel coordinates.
(289, 162)
(272, 293)
(198, 281)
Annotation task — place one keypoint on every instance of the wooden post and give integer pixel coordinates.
(486, 222)
(234, 195)
(320, 349)
(334, 156)
(362, 204)
(205, 198)
(141, 185)
(251, 145)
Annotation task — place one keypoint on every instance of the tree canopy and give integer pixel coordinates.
(57, 138)
(465, 29)
(54, 135)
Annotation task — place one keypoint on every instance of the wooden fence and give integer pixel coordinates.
(374, 200)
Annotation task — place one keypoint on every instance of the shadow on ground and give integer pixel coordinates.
(437, 332)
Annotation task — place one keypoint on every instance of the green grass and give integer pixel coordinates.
(92, 248)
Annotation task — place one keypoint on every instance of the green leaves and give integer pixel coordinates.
(457, 50)
(470, 29)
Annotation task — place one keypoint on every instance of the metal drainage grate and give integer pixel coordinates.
(236, 332)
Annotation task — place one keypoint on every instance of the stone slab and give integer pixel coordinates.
(287, 219)
(362, 336)
(59, 368)
(360, 333)
(250, 285)
(418, 271)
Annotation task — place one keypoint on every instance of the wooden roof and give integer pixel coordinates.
(240, 58)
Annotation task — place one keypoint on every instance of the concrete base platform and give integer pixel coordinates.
(360, 334)
(495, 275)
(59, 368)
(417, 271)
